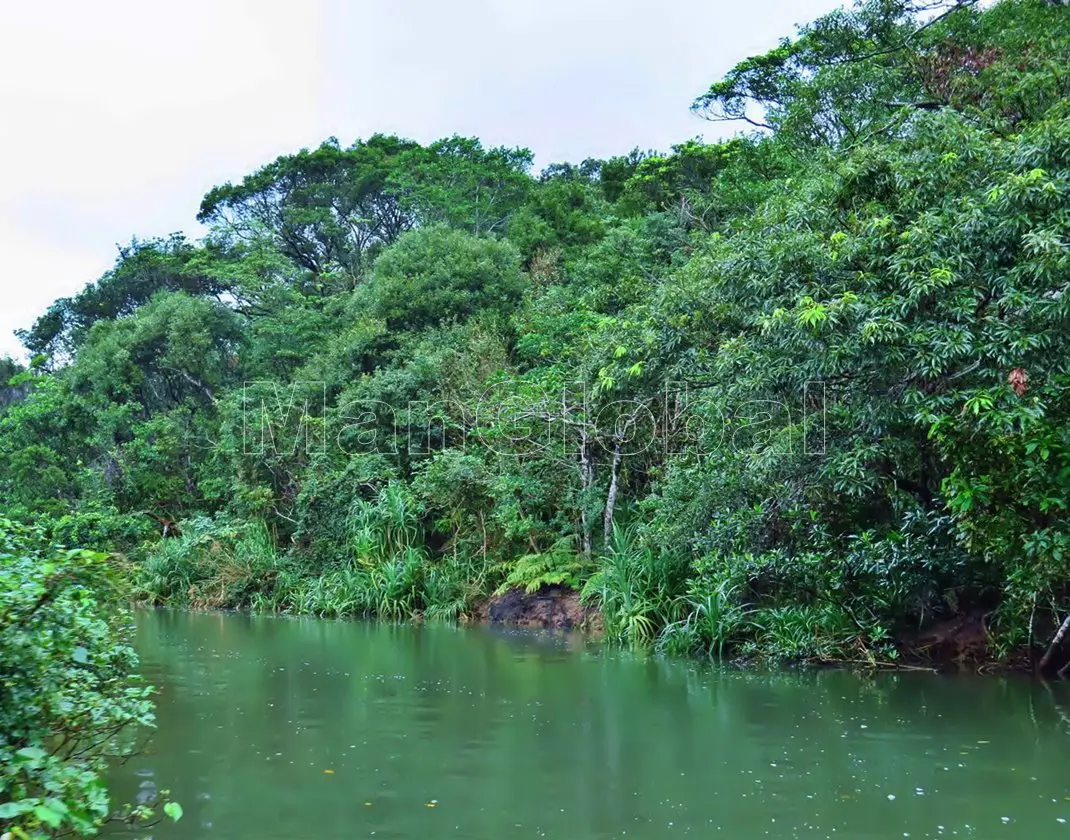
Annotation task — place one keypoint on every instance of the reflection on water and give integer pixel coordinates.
(280, 728)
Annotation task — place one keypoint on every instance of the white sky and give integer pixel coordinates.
(117, 116)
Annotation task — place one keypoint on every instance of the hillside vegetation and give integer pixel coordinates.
(800, 394)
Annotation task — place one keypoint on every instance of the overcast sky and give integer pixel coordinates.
(116, 116)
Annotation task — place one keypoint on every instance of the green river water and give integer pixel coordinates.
(293, 728)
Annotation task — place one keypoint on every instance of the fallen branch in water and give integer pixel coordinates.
(891, 666)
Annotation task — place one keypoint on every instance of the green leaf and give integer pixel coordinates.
(31, 754)
(10, 810)
(48, 816)
(173, 810)
(80, 655)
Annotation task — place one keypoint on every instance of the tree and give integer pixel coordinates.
(842, 78)
(328, 210)
(438, 274)
(459, 183)
(142, 269)
(10, 391)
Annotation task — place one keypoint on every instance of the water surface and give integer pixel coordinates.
(295, 728)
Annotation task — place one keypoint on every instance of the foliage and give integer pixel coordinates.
(557, 567)
(437, 273)
(142, 270)
(327, 210)
(214, 563)
(456, 182)
(70, 702)
(639, 589)
(796, 394)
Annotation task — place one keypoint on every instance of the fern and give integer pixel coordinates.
(560, 566)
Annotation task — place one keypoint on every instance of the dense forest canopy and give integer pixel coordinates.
(799, 393)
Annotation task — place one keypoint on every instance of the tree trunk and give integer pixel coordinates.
(586, 482)
(614, 487)
(1056, 643)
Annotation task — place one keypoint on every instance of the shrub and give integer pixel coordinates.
(639, 589)
(70, 702)
(215, 563)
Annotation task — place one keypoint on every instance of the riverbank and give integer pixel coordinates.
(955, 645)
(635, 598)
(794, 396)
(960, 644)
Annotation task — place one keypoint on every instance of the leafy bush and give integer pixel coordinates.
(104, 528)
(214, 563)
(715, 621)
(436, 273)
(71, 702)
(640, 589)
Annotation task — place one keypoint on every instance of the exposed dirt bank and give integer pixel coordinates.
(958, 643)
(552, 607)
